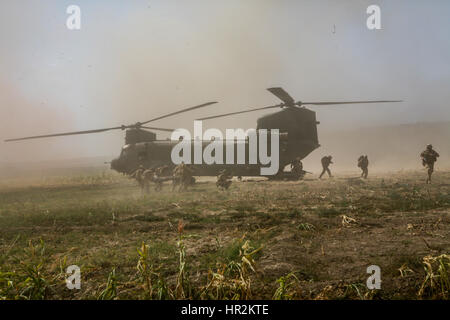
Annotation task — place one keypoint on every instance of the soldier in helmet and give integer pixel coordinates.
(140, 178)
(326, 161)
(153, 176)
(149, 176)
(159, 175)
(177, 176)
(162, 171)
(429, 157)
(182, 177)
(224, 179)
(363, 163)
(297, 168)
(188, 177)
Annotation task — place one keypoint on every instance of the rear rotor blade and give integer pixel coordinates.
(160, 129)
(281, 94)
(239, 112)
(181, 111)
(299, 104)
(343, 102)
(64, 134)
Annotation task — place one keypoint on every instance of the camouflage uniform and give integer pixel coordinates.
(182, 177)
(177, 174)
(149, 176)
(326, 161)
(188, 179)
(140, 177)
(429, 157)
(224, 180)
(157, 178)
(297, 168)
(162, 171)
(363, 163)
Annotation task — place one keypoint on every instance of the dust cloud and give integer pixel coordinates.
(134, 60)
(389, 148)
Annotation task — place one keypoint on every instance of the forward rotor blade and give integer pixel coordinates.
(160, 129)
(281, 94)
(239, 112)
(344, 102)
(137, 125)
(64, 134)
(299, 104)
(181, 111)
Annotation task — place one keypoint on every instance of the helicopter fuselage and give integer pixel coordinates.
(295, 125)
(298, 138)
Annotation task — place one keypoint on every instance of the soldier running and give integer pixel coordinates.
(429, 157)
(363, 163)
(143, 177)
(326, 161)
(157, 179)
(182, 177)
(297, 168)
(224, 180)
(177, 176)
(163, 171)
(148, 176)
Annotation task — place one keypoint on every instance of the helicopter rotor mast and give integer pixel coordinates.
(137, 125)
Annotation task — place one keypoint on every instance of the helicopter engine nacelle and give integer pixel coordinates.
(133, 136)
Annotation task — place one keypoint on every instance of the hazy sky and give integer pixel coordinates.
(134, 60)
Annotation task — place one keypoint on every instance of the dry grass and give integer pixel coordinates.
(262, 240)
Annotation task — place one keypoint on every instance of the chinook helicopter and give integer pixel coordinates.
(296, 124)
